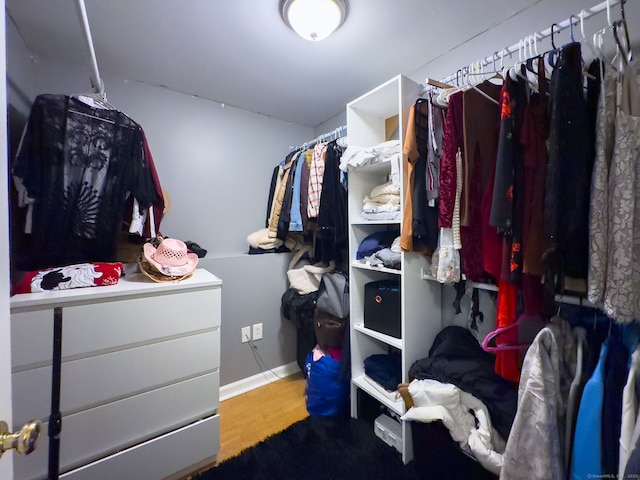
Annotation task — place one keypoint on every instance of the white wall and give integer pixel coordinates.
(536, 18)
(216, 163)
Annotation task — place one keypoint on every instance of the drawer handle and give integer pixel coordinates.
(23, 441)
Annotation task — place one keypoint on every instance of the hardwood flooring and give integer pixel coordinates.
(247, 419)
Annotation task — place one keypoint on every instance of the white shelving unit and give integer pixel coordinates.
(420, 316)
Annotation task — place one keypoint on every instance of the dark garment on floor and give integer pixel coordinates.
(457, 358)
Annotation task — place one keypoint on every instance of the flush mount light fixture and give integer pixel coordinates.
(313, 19)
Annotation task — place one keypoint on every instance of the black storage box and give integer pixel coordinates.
(382, 307)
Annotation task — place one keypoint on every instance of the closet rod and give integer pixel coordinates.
(96, 81)
(557, 28)
(332, 135)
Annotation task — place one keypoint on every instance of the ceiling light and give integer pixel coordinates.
(313, 19)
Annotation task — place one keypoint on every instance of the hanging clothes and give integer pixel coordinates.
(630, 424)
(481, 120)
(615, 376)
(587, 446)
(74, 168)
(535, 445)
(332, 213)
(598, 215)
(287, 199)
(452, 141)
(144, 229)
(533, 138)
(295, 222)
(316, 173)
(424, 215)
(278, 199)
(568, 173)
(274, 188)
(410, 156)
(622, 283)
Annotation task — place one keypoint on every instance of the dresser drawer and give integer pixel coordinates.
(106, 430)
(107, 325)
(92, 381)
(158, 458)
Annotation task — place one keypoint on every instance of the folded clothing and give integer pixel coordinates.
(386, 257)
(374, 242)
(385, 369)
(355, 156)
(91, 274)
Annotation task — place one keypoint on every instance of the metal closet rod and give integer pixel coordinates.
(554, 29)
(96, 81)
(332, 135)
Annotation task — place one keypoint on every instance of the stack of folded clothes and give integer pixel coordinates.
(383, 202)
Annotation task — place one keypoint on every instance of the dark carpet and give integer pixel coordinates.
(322, 448)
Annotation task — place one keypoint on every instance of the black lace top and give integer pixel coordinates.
(78, 164)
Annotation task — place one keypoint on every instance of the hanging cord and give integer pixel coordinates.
(259, 360)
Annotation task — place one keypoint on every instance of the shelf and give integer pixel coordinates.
(366, 266)
(567, 299)
(362, 384)
(388, 339)
(482, 286)
(574, 300)
(365, 222)
(380, 166)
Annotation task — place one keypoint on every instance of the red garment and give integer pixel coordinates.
(71, 276)
(535, 134)
(507, 361)
(452, 140)
(491, 241)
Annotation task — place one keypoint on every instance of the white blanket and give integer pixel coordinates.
(435, 400)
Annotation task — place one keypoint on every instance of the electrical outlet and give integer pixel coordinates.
(257, 331)
(246, 334)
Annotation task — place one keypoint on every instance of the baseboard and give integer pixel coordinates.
(247, 384)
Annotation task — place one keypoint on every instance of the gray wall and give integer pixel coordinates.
(216, 163)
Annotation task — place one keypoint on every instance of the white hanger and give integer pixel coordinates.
(476, 68)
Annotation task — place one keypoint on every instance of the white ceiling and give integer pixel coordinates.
(239, 52)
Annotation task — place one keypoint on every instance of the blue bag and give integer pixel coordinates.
(326, 392)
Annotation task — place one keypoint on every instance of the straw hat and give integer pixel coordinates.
(169, 261)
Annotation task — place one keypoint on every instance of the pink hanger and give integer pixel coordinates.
(502, 347)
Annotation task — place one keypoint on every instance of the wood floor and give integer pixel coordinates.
(247, 419)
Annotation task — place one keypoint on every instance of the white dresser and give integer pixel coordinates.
(139, 383)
